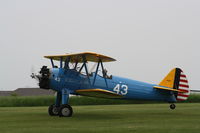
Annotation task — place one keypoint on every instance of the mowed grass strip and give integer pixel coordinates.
(132, 118)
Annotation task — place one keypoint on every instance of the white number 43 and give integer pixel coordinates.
(121, 89)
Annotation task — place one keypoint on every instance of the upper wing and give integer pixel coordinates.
(78, 57)
(98, 93)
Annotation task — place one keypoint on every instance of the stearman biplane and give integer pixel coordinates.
(73, 76)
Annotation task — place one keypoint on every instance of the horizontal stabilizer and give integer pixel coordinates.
(169, 89)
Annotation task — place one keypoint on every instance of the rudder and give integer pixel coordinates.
(176, 79)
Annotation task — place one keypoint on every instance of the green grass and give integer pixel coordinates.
(194, 98)
(22, 101)
(132, 118)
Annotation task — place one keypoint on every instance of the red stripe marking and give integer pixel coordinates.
(182, 75)
(186, 86)
(186, 91)
(183, 95)
(180, 99)
(181, 80)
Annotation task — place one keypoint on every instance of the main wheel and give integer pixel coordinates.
(172, 106)
(53, 110)
(65, 111)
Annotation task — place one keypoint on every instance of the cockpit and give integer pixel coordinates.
(91, 68)
(88, 64)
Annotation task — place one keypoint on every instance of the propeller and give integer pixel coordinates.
(42, 77)
(34, 75)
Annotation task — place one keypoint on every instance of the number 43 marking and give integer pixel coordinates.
(121, 89)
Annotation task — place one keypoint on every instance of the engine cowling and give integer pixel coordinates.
(44, 81)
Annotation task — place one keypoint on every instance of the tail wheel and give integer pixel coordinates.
(53, 110)
(172, 106)
(65, 111)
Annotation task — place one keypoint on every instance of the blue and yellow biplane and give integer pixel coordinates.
(74, 77)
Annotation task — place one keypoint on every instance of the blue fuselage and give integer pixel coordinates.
(130, 89)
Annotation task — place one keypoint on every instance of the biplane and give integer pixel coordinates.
(71, 75)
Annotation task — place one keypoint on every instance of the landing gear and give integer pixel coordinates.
(61, 107)
(172, 106)
(53, 110)
(65, 111)
(62, 111)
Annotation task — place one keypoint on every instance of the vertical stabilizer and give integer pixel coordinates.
(176, 79)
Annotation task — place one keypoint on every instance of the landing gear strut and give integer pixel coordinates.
(172, 106)
(61, 108)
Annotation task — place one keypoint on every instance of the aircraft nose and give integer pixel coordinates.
(44, 81)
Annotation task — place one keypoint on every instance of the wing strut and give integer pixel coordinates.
(96, 73)
(103, 73)
(88, 76)
(67, 60)
(102, 67)
(61, 62)
(52, 63)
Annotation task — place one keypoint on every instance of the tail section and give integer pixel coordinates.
(183, 85)
(176, 79)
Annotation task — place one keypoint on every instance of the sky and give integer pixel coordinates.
(148, 38)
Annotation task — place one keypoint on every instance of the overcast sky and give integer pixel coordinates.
(147, 37)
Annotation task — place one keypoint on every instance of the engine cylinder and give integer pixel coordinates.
(44, 81)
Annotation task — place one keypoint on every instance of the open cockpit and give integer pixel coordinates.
(87, 65)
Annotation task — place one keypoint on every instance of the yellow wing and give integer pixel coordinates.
(78, 57)
(98, 93)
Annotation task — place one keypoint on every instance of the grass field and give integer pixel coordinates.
(28, 101)
(133, 118)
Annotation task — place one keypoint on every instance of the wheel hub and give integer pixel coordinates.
(55, 110)
(65, 111)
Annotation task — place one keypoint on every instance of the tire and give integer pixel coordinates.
(53, 110)
(65, 111)
(172, 106)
